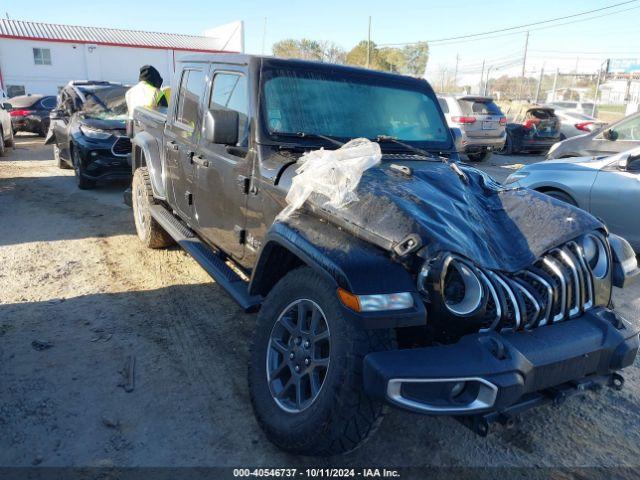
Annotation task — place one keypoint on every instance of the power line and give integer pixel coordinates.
(518, 26)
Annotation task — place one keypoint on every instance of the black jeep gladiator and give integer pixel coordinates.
(437, 290)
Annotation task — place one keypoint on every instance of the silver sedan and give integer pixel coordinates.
(606, 186)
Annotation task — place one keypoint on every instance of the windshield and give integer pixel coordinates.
(105, 102)
(351, 106)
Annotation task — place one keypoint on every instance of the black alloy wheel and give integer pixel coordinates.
(298, 355)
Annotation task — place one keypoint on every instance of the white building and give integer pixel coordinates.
(42, 57)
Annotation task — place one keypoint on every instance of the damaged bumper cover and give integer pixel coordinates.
(490, 372)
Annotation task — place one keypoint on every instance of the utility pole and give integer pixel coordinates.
(539, 83)
(455, 74)
(369, 44)
(555, 85)
(481, 78)
(524, 63)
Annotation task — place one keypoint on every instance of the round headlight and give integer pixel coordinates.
(595, 253)
(462, 290)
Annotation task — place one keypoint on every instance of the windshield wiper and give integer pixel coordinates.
(337, 143)
(453, 165)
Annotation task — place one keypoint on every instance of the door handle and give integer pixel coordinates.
(199, 160)
(172, 145)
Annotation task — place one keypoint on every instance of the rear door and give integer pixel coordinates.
(224, 172)
(615, 195)
(487, 117)
(181, 136)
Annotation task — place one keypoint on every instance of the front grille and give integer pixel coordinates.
(121, 147)
(555, 288)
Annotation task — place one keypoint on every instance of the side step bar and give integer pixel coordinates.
(213, 263)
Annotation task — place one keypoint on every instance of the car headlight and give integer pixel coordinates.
(462, 290)
(516, 177)
(94, 133)
(596, 255)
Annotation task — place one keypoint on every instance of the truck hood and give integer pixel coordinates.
(496, 227)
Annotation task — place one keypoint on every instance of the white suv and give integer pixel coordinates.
(480, 120)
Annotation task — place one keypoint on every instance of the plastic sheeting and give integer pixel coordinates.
(334, 174)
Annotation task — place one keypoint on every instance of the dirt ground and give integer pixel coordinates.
(82, 304)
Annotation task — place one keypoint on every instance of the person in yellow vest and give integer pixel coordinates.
(146, 93)
(166, 91)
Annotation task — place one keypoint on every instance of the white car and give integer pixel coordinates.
(6, 131)
(565, 105)
(576, 123)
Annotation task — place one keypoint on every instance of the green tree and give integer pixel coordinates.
(306, 49)
(416, 57)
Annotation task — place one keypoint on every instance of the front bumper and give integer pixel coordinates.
(498, 370)
(99, 162)
(538, 143)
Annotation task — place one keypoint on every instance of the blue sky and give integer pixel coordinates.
(586, 43)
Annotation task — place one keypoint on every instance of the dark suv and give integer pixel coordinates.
(88, 132)
(419, 282)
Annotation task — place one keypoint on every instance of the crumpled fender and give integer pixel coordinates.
(343, 259)
(148, 145)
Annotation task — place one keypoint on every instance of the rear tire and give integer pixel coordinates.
(339, 416)
(44, 128)
(479, 157)
(150, 233)
(12, 141)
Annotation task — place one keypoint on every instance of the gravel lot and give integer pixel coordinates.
(80, 299)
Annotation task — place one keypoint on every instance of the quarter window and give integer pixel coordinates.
(189, 97)
(42, 56)
(229, 92)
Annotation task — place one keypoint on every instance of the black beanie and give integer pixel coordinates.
(150, 75)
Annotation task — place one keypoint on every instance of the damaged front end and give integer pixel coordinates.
(516, 287)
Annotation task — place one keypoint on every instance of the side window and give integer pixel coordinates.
(629, 130)
(443, 105)
(189, 97)
(229, 92)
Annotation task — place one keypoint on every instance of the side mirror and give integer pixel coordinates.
(610, 134)
(457, 139)
(7, 106)
(221, 126)
(623, 163)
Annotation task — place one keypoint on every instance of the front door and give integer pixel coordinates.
(615, 195)
(223, 179)
(626, 135)
(182, 133)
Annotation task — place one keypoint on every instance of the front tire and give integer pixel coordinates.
(150, 233)
(291, 350)
(82, 182)
(563, 197)
(3, 147)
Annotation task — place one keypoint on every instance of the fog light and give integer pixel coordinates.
(94, 154)
(457, 390)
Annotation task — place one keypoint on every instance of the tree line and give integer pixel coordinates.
(408, 60)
